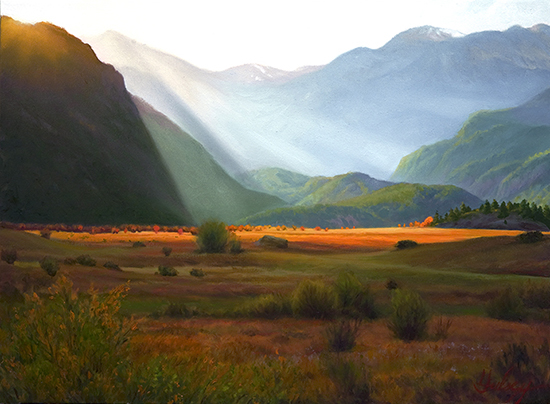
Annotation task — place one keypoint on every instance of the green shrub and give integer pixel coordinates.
(167, 251)
(167, 271)
(355, 299)
(391, 284)
(536, 295)
(314, 299)
(269, 306)
(212, 237)
(441, 328)
(69, 261)
(45, 233)
(199, 273)
(410, 315)
(530, 237)
(341, 335)
(67, 347)
(50, 265)
(404, 244)
(176, 310)
(86, 260)
(138, 244)
(9, 255)
(507, 305)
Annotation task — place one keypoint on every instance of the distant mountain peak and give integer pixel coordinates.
(428, 33)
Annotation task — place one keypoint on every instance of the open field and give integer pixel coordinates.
(456, 271)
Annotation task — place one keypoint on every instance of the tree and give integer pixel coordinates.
(495, 205)
(503, 211)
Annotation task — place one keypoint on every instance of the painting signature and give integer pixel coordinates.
(518, 390)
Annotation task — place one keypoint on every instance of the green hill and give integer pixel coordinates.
(207, 191)
(389, 206)
(496, 154)
(73, 147)
(299, 189)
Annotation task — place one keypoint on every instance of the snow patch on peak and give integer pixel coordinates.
(428, 33)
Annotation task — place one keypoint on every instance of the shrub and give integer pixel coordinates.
(507, 306)
(441, 328)
(350, 379)
(524, 365)
(530, 237)
(314, 299)
(410, 315)
(178, 310)
(67, 347)
(341, 335)
(86, 260)
(50, 265)
(138, 244)
(167, 251)
(112, 265)
(45, 233)
(536, 295)
(69, 261)
(212, 237)
(355, 299)
(9, 255)
(404, 244)
(167, 271)
(269, 306)
(391, 284)
(235, 246)
(199, 273)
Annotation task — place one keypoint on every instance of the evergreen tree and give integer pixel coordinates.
(486, 208)
(495, 206)
(464, 209)
(503, 211)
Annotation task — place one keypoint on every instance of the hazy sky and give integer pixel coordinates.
(217, 34)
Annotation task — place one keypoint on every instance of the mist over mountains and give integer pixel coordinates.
(362, 112)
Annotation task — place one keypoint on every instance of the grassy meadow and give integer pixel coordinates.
(189, 338)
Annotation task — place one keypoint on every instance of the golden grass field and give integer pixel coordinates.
(457, 271)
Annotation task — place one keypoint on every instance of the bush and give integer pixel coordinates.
(167, 251)
(350, 379)
(9, 255)
(67, 347)
(269, 306)
(112, 265)
(536, 295)
(355, 299)
(69, 261)
(50, 265)
(507, 306)
(235, 246)
(314, 299)
(45, 233)
(530, 237)
(176, 310)
(86, 260)
(391, 284)
(212, 237)
(410, 315)
(199, 273)
(441, 328)
(524, 365)
(341, 335)
(167, 271)
(138, 244)
(403, 244)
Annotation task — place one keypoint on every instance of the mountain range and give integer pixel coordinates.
(503, 155)
(362, 112)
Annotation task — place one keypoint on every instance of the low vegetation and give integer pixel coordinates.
(50, 265)
(410, 315)
(167, 271)
(314, 299)
(86, 260)
(9, 255)
(213, 237)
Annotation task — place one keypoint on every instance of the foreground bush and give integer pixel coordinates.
(341, 335)
(66, 348)
(530, 237)
(350, 379)
(410, 315)
(86, 260)
(212, 237)
(314, 299)
(9, 255)
(536, 295)
(355, 299)
(50, 265)
(404, 244)
(167, 251)
(507, 305)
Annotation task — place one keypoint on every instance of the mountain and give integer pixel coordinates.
(299, 189)
(73, 148)
(204, 187)
(502, 154)
(362, 112)
(386, 207)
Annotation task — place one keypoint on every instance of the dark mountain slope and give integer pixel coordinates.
(73, 148)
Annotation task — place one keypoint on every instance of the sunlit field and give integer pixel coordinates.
(210, 347)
